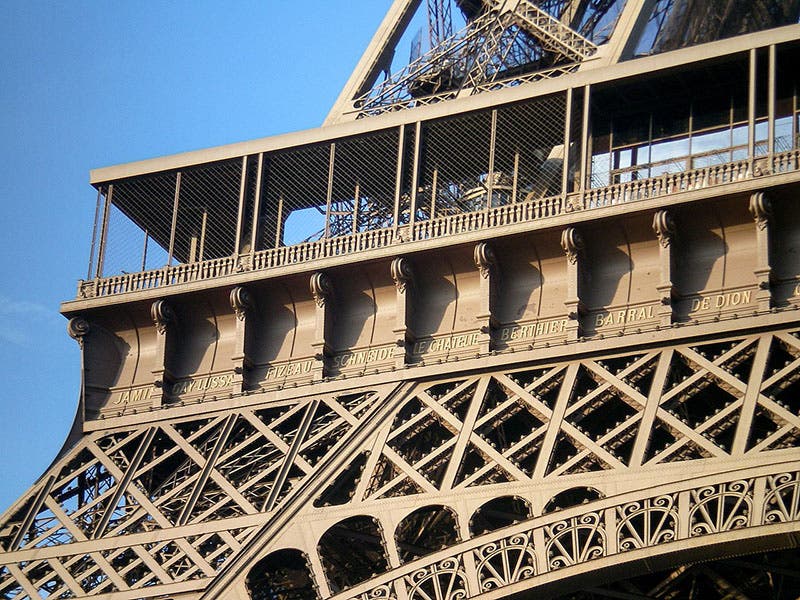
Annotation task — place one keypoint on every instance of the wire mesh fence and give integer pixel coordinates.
(208, 203)
(363, 186)
(455, 166)
(138, 223)
(529, 150)
(295, 199)
(338, 188)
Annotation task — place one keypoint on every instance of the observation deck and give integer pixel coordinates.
(450, 173)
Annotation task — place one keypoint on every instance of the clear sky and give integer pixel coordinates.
(91, 84)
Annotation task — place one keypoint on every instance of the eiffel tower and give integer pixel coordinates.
(522, 318)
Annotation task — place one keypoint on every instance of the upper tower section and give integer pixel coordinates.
(509, 115)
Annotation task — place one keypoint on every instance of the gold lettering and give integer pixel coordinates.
(719, 301)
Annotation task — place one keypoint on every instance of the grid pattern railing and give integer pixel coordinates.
(530, 209)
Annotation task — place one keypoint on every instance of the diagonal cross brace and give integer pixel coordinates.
(551, 33)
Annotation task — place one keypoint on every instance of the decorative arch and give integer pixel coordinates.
(282, 575)
(352, 551)
(425, 531)
(572, 497)
(510, 559)
(499, 512)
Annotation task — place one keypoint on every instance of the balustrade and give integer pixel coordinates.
(450, 225)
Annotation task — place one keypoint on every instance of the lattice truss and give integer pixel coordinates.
(493, 440)
(160, 505)
(168, 503)
(500, 43)
(711, 400)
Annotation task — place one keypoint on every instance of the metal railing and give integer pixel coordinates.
(536, 548)
(446, 226)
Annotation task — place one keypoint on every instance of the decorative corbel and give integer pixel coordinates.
(163, 316)
(664, 228)
(321, 288)
(573, 246)
(241, 302)
(402, 272)
(243, 305)
(78, 328)
(322, 291)
(761, 209)
(486, 261)
(164, 319)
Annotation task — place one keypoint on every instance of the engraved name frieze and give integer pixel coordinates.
(529, 331)
(720, 301)
(625, 316)
(291, 369)
(444, 344)
(363, 357)
(202, 384)
(133, 396)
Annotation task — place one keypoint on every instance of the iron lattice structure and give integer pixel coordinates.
(473, 462)
(521, 319)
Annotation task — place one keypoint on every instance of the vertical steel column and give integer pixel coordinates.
(240, 215)
(329, 194)
(751, 108)
(144, 249)
(101, 253)
(492, 146)
(398, 183)
(257, 205)
(415, 174)
(771, 102)
(515, 179)
(203, 225)
(356, 202)
(279, 221)
(94, 231)
(567, 142)
(171, 249)
(585, 159)
(434, 188)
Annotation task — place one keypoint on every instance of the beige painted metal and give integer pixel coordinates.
(636, 345)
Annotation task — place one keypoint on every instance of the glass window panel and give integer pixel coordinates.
(783, 107)
(641, 155)
(762, 130)
(711, 112)
(783, 134)
(601, 166)
(622, 158)
(670, 149)
(708, 142)
(740, 135)
(622, 177)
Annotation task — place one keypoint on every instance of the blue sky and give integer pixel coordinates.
(90, 84)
